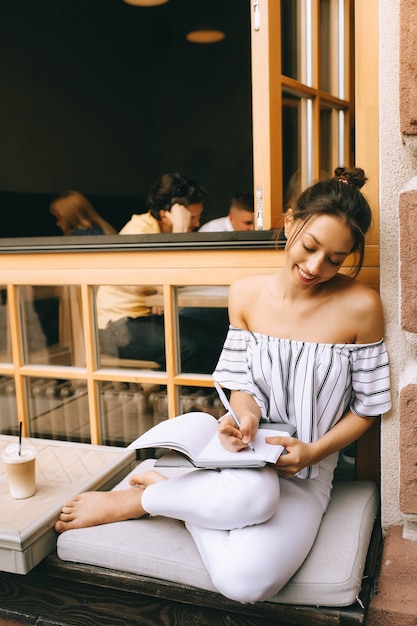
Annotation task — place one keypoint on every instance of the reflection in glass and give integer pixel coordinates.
(203, 323)
(36, 311)
(205, 399)
(52, 330)
(8, 407)
(128, 410)
(130, 324)
(5, 343)
(326, 47)
(328, 143)
(333, 56)
(332, 138)
(58, 409)
(290, 48)
(291, 142)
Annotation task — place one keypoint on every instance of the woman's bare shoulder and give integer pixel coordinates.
(363, 305)
(244, 291)
(361, 296)
(251, 282)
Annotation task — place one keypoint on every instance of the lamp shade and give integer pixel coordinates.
(145, 3)
(205, 33)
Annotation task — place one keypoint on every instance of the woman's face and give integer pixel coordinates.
(181, 218)
(319, 248)
(61, 223)
(196, 211)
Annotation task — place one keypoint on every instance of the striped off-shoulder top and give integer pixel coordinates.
(310, 385)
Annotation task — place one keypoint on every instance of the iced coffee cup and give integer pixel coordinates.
(20, 462)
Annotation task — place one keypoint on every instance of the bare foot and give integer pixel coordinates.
(100, 507)
(146, 478)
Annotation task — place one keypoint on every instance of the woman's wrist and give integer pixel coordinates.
(316, 452)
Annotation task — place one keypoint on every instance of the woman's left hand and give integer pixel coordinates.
(295, 457)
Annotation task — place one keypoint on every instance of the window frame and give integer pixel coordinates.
(268, 87)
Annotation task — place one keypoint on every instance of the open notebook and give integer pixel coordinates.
(194, 437)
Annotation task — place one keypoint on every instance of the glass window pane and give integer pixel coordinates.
(203, 324)
(58, 409)
(333, 64)
(130, 324)
(130, 409)
(5, 343)
(8, 407)
(332, 139)
(52, 331)
(291, 146)
(127, 410)
(290, 48)
(343, 136)
(325, 45)
(327, 145)
(206, 400)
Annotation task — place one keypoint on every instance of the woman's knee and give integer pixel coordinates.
(253, 503)
(246, 585)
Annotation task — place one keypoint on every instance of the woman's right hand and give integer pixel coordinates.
(233, 438)
(180, 218)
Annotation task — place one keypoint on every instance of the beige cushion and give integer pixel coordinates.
(162, 548)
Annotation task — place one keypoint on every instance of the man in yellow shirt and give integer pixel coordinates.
(128, 328)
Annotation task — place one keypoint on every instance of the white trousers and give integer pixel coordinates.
(253, 530)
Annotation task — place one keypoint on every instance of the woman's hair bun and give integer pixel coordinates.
(354, 176)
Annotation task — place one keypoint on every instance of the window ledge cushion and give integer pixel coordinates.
(162, 548)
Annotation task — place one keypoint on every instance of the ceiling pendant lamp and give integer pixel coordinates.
(205, 33)
(145, 3)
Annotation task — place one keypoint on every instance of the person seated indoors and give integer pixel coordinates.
(128, 327)
(240, 216)
(75, 215)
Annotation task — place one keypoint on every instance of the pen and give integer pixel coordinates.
(227, 406)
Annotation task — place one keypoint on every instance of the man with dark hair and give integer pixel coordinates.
(240, 216)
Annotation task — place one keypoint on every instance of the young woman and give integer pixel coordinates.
(75, 215)
(305, 346)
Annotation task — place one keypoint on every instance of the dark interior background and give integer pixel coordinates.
(103, 97)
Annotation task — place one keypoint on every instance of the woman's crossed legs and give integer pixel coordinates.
(249, 544)
(214, 499)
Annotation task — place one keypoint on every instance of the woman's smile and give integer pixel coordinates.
(305, 276)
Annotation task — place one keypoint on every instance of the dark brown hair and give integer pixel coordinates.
(339, 196)
(172, 188)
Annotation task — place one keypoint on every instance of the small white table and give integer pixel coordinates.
(63, 469)
(190, 296)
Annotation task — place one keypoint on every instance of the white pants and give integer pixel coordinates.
(253, 530)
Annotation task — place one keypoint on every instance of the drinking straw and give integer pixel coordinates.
(20, 438)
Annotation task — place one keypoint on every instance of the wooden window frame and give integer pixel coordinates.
(193, 260)
(361, 89)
